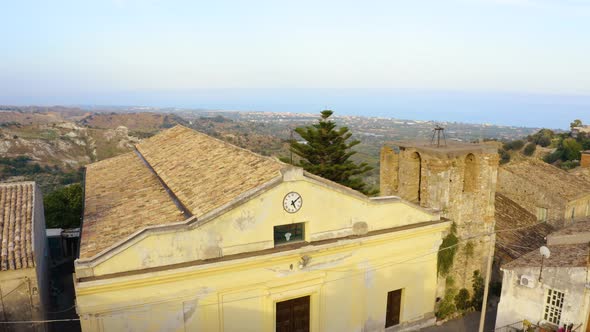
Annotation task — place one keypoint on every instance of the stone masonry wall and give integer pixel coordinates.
(442, 186)
(389, 164)
(530, 197)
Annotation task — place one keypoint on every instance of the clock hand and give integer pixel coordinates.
(293, 203)
(298, 198)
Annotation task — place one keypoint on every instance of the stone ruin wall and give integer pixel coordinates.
(441, 182)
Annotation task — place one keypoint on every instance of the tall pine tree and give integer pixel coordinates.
(327, 153)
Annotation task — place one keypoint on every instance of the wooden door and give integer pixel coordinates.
(394, 305)
(293, 315)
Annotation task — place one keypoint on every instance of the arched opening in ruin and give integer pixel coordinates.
(470, 175)
(415, 178)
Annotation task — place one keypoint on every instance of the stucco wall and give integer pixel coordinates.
(580, 208)
(348, 283)
(20, 298)
(327, 213)
(519, 302)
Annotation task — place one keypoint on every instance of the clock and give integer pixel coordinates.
(292, 202)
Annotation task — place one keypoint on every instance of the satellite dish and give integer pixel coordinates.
(545, 251)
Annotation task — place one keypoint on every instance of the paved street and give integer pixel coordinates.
(468, 323)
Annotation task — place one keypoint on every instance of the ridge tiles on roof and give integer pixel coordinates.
(204, 172)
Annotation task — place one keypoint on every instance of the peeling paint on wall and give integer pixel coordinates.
(245, 221)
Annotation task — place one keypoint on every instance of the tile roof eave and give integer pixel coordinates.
(190, 222)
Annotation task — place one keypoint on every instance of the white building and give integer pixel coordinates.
(552, 296)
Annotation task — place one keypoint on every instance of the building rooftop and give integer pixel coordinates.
(172, 176)
(578, 232)
(16, 225)
(525, 234)
(450, 149)
(122, 196)
(581, 172)
(553, 180)
(203, 172)
(567, 255)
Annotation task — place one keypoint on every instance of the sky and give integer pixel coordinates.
(521, 62)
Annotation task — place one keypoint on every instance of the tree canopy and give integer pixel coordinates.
(327, 153)
(576, 123)
(63, 207)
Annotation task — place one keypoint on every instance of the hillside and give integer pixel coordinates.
(52, 154)
(64, 139)
(142, 123)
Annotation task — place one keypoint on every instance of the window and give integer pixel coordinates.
(553, 306)
(588, 209)
(394, 305)
(293, 315)
(289, 233)
(541, 214)
(573, 213)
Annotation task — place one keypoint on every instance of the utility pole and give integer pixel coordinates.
(486, 289)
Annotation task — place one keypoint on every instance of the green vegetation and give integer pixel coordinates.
(20, 165)
(543, 137)
(327, 153)
(529, 149)
(63, 207)
(576, 123)
(478, 290)
(447, 305)
(459, 302)
(504, 156)
(447, 251)
(48, 177)
(513, 145)
(568, 150)
(568, 146)
(462, 299)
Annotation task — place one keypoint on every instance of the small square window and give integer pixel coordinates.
(289, 233)
(541, 214)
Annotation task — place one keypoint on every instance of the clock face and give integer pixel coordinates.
(292, 202)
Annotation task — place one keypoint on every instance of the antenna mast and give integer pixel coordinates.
(436, 133)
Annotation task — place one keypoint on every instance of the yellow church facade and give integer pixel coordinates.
(189, 233)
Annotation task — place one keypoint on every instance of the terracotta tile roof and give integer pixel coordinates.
(552, 179)
(582, 226)
(122, 196)
(529, 235)
(582, 173)
(203, 172)
(567, 255)
(16, 225)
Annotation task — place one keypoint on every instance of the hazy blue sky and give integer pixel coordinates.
(469, 54)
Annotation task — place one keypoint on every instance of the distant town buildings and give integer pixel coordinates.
(580, 130)
(24, 284)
